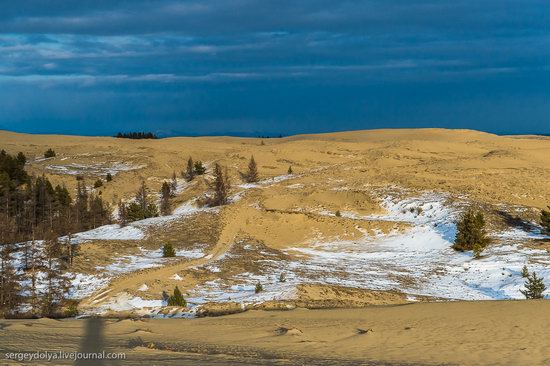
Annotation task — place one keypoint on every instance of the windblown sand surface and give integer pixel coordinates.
(458, 333)
(397, 193)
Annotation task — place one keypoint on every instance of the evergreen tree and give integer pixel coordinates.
(524, 272)
(50, 153)
(534, 287)
(98, 184)
(142, 207)
(545, 221)
(174, 185)
(190, 170)
(122, 213)
(165, 195)
(259, 288)
(471, 232)
(177, 299)
(109, 177)
(199, 168)
(290, 172)
(221, 186)
(251, 176)
(168, 251)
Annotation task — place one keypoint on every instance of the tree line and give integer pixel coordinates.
(136, 135)
(38, 214)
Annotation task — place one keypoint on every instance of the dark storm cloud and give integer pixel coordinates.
(274, 65)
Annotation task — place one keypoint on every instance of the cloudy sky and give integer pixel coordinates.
(269, 67)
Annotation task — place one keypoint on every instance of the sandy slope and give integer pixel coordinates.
(398, 192)
(462, 333)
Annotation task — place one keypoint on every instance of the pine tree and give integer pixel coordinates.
(471, 232)
(534, 287)
(199, 168)
(177, 299)
(174, 185)
(290, 172)
(109, 177)
(524, 272)
(50, 153)
(122, 213)
(165, 195)
(545, 221)
(168, 251)
(221, 186)
(190, 170)
(98, 184)
(259, 288)
(251, 176)
(142, 208)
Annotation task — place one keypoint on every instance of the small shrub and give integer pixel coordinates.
(290, 172)
(534, 287)
(524, 272)
(259, 288)
(168, 251)
(199, 168)
(177, 299)
(72, 310)
(338, 213)
(282, 277)
(98, 183)
(79, 177)
(49, 153)
(109, 177)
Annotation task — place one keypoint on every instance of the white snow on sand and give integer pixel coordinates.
(109, 232)
(93, 169)
(419, 261)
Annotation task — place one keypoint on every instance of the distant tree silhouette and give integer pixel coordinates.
(136, 135)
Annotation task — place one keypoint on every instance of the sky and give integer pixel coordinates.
(247, 67)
